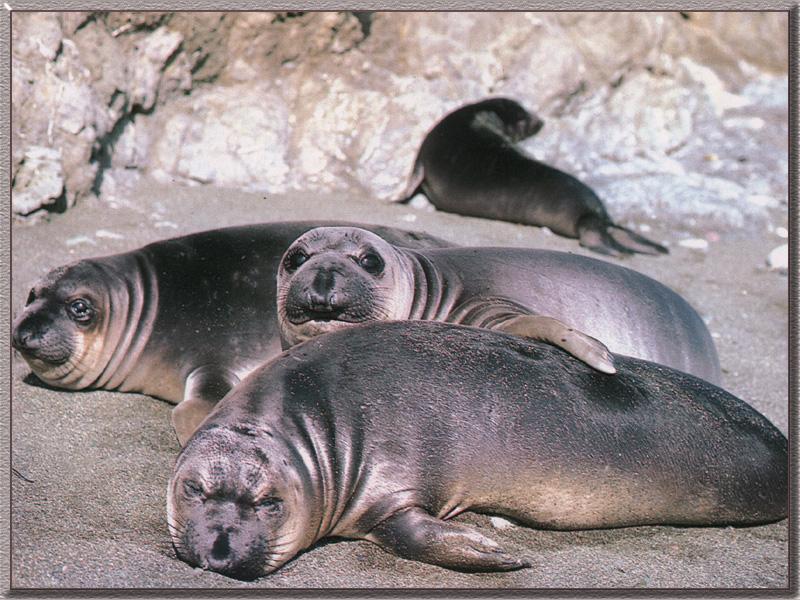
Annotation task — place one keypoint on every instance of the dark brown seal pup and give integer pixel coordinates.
(182, 319)
(333, 277)
(469, 164)
(385, 431)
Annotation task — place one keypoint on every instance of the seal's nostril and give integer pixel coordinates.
(320, 301)
(20, 338)
(221, 548)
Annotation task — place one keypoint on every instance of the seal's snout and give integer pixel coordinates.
(20, 338)
(221, 549)
(525, 127)
(321, 295)
(26, 336)
(243, 564)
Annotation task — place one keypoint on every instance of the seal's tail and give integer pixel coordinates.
(601, 235)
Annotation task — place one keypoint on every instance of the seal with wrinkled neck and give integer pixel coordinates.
(335, 277)
(375, 432)
(182, 319)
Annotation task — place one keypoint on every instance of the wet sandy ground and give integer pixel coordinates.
(93, 513)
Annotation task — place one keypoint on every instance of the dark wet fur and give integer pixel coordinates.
(469, 164)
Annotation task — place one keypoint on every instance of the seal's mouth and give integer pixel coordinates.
(323, 316)
(42, 357)
(40, 363)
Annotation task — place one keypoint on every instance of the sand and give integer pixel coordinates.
(93, 513)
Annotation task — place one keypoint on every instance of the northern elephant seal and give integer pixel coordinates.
(333, 277)
(182, 319)
(376, 432)
(469, 164)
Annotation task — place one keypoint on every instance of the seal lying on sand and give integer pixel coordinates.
(469, 164)
(182, 319)
(333, 277)
(385, 431)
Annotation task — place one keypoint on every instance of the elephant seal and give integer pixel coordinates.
(334, 277)
(469, 164)
(375, 432)
(182, 319)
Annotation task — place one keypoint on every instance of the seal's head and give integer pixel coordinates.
(507, 117)
(60, 332)
(236, 504)
(333, 277)
(84, 324)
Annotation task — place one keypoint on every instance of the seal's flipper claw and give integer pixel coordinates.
(584, 347)
(416, 535)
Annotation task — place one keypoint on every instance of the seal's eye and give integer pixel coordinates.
(192, 489)
(31, 298)
(295, 259)
(270, 505)
(371, 263)
(80, 310)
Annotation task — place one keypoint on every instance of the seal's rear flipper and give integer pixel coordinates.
(416, 535)
(632, 240)
(601, 235)
(592, 234)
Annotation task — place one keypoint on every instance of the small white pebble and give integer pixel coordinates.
(694, 244)
(409, 217)
(500, 523)
(81, 239)
(778, 258)
(165, 224)
(644, 227)
(715, 335)
(782, 232)
(420, 202)
(103, 233)
(547, 231)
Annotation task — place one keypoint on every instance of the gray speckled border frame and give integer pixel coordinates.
(8, 6)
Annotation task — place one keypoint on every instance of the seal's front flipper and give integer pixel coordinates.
(414, 183)
(205, 386)
(416, 535)
(583, 347)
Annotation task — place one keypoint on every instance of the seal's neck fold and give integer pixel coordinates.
(132, 311)
(334, 465)
(435, 293)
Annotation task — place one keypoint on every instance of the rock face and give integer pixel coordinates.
(682, 115)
